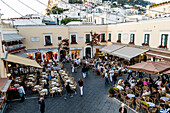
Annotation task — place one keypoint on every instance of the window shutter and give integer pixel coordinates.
(144, 38)
(148, 38)
(161, 38)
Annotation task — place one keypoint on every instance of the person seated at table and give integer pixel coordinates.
(126, 83)
(132, 84)
(52, 73)
(131, 79)
(120, 87)
(146, 83)
(158, 82)
(121, 82)
(126, 88)
(139, 82)
(162, 88)
(146, 92)
(167, 84)
(162, 109)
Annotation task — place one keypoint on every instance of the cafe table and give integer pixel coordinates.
(131, 95)
(165, 99)
(151, 104)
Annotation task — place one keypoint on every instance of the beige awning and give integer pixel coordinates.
(158, 54)
(13, 37)
(5, 88)
(21, 60)
(128, 52)
(111, 48)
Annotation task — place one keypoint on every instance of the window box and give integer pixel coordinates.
(73, 42)
(109, 40)
(103, 40)
(161, 46)
(131, 42)
(87, 42)
(48, 44)
(145, 44)
(119, 41)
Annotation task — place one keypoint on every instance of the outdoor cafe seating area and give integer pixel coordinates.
(134, 93)
(47, 81)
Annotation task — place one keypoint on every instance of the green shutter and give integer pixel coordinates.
(165, 39)
(144, 38)
(148, 38)
(161, 38)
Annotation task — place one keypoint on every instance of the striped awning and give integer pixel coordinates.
(12, 37)
(111, 48)
(128, 52)
(159, 54)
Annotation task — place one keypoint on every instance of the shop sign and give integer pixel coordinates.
(80, 38)
(35, 39)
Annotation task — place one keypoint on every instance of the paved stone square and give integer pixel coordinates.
(95, 99)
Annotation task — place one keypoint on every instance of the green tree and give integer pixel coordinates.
(67, 20)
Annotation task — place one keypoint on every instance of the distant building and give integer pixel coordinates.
(159, 10)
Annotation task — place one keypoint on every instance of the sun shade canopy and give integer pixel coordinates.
(21, 60)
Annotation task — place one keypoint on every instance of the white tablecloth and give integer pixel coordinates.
(131, 95)
(45, 91)
(151, 104)
(165, 98)
(36, 86)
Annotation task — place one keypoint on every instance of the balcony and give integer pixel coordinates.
(15, 48)
(48, 44)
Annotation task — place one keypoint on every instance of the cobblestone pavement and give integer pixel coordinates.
(95, 99)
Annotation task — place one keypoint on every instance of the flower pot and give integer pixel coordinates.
(111, 95)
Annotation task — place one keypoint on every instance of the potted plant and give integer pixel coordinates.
(144, 104)
(115, 89)
(109, 39)
(111, 92)
(118, 41)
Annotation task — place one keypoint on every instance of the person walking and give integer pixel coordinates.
(111, 74)
(123, 109)
(81, 85)
(68, 91)
(84, 71)
(106, 78)
(75, 67)
(21, 93)
(72, 68)
(42, 105)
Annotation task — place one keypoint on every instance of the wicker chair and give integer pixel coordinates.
(138, 104)
(130, 102)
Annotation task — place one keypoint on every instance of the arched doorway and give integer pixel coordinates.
(38, 56)
(62, 54)
(49, 55)
(88, 52)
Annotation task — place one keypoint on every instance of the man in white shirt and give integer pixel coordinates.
(120, 87)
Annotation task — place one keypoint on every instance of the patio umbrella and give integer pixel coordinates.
(166, 72)
(151, 67)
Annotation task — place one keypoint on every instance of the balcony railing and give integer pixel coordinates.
(15, 48)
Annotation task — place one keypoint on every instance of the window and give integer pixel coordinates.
(87, 37)
(73, 38)
(132, 38)
(146, 39)
(59, 38)
(109, 37)
(164, 40)
(47, 40)
(103, 39)
(119, 37)
(102, 20)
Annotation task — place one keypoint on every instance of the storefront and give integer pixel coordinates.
(43, 54)
(76, 53)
